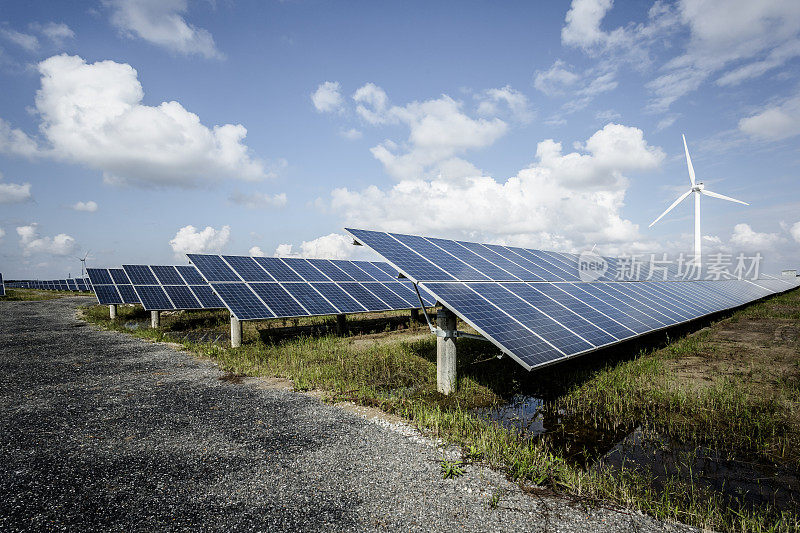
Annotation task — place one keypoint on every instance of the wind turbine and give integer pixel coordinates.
(83, 263)
(698, 189)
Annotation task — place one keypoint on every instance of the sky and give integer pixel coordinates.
(142, 130)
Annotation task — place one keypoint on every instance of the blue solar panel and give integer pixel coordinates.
(277, 269)
(139, 275)
(153, 298)
(329, 269)
(399, 254)
(374, 271)
(427, 298)
(107, 294)
(621, 300)
(510, 269)
(279, 301)
(556, 334)
(190, 275)
(305, 269)
(352, 269)
(119, 276)
(213, 267)
(363, 296)
(339, 298)
(247, 269)
(241, 301)
(477, 262)
(207, 297)
(454, 266)
(388, 269)
(182, 297)
(387, 295)
(526, 346)
(167, 275)
(71, 284)
(128, 294)
(310, 299)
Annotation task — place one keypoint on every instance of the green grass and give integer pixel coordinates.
(28, 295)
(397, 374)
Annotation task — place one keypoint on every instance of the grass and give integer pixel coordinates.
(37, 295)
(732, 388)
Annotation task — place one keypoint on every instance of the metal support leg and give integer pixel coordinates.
(414, 316)
(341, 324)
(112, 311)
(155, 319)
(236, 332)
(446, 352)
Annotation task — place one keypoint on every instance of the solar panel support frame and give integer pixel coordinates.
(236, 332)
(446, 377)
(112, 311)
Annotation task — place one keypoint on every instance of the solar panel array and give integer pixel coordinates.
(532, 304)
(167, 287)
(112, 286)
(257, 288)
(69, 284)
(2, 286)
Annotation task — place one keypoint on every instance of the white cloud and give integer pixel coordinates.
(15, 141)
(327, 98)
(745, 239)
(57, 33)
(92, 114)
(794, 231)
(2, 233)
(560, 201)
(666, 122)
(14, 193)
(372, 103)
(333, 246)
(556, 80)
(32, 243)
(255, 251)
(189, 240)
(89, 206)
(514, 101)
(258, 200)
(777, 122)
(160, 22)
(23, 40)
(582, 26)
(351, 134)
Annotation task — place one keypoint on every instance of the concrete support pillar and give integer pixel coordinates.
(446, 352)
(414, 315)
(236, 332)
(112, 311)
(155, 319)
(341, 324)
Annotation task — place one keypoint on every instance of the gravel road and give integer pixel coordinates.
(102, 431)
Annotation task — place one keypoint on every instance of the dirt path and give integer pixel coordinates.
(102, 431)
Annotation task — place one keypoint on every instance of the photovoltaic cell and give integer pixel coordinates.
(353, 270)
(190, 275)
(279, 301)
(247, 269)
(107, 295)
(167, 275)
(312, 300)
(364, 297)
(277, 269)
(329, 269)
(343, 301)
(128, 294)
(182, 297)
(207, 297)
(213, 267)
(305, 269)
(242, 302)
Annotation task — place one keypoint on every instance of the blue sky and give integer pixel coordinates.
(143, 130)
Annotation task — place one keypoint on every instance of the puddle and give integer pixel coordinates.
(746, 484)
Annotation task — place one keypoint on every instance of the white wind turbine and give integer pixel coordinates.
(697, 188)
(83, 263)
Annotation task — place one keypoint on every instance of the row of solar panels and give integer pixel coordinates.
(539, 322)
(433, 259)
(259, 288)
(68, 284)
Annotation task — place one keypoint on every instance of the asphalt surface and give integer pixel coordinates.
(102, 431)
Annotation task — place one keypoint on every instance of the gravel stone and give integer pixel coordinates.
(102, 431)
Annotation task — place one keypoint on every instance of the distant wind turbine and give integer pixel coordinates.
(83, 263)
(697, 188)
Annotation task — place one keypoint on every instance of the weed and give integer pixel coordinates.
(451, 469)
(494, 499)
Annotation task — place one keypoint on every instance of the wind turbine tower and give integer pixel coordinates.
(698, 189)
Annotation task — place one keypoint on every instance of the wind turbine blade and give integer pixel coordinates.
(688, 161)
(676, 202)
(722, 197)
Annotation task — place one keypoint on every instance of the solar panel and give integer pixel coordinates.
(111, 286)
(2, 286)
(533, 305)
(167, 287)
(258, 288)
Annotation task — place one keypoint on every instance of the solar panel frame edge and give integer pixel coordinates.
(385, 260)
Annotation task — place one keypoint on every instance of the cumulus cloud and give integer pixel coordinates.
(775, 122)
(57, 33)
(327, 98)
(744, 238)
(188, 240)
(23, 40)
(255, 251)
(32, 243)
(89, 206)
(258, 200)
(332, 246)
(161, 22)
(438, 131)
(556, 80)
(562, 200)
(794, 231)
(92, 114)
(495, 101)
(14, 193)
